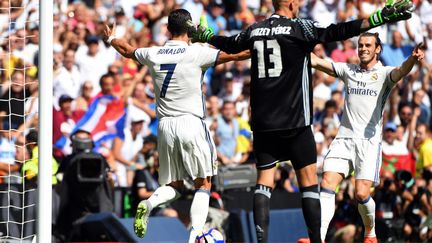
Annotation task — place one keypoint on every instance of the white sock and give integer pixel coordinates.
(198, 212)
(327, 200)
(163, 194)
(367, 213)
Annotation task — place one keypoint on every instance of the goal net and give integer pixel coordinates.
(19, 29)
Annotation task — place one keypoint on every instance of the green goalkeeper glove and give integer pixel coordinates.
(392, 12)
(203, 33)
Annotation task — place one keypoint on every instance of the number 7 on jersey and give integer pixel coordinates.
(170, 68)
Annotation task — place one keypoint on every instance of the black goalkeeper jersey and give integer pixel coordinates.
(281, 86)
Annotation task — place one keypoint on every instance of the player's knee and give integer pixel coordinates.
(307, 175)
(202, 183)
(362, 195)
(178, 185)
(329, 182)
(266, 177)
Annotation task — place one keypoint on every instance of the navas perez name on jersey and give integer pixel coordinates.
(279, 30)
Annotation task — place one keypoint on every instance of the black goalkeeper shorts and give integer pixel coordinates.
(297, 145)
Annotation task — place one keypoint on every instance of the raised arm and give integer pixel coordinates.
(322, 65)
(394, 10)
(232, 44)
(121, 45)
(416, 56)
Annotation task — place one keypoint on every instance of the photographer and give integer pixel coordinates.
(30, 168)
(85, 187)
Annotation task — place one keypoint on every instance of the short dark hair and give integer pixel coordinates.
(32, 137)
(377, 41)
(103, 77)
(177, 22)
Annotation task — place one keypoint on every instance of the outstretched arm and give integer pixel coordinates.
(225, 57)
(416, 56)
(322, 65)
(121, 45)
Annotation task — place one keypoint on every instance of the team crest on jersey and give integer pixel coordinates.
(215, 165)
(374, 77)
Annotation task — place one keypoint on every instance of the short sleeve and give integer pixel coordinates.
(340, 70)
(389, 80)
(141, 54)
(206, 57)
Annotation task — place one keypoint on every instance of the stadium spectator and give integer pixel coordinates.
(65, 118)
(329, 116)
(126, 149)
(344, 53)
(424, 142)
(395, 53)
(215, 17)
(212, 113)
(226, 135)
(7, 153)
(227, 92)
(82, 102)
(428, 43)
(416, 210)
(412, 29)
(395, 153)
(91, 62)
(324, 12)
(405, 113)
(425, 111)
(13, 102)
(348, 11)
(68, 80)
(30, 168)
(322, 81)
(285, 178)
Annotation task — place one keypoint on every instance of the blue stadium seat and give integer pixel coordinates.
(286, 225)
(160, 229)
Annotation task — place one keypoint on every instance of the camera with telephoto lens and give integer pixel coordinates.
(91, 167)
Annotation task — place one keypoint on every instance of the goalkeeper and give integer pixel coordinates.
(281, 96)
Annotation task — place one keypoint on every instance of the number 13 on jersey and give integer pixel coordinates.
(170, 68)
(269, 58)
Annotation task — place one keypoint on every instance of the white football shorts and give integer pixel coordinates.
(186, 149)
(361, 156)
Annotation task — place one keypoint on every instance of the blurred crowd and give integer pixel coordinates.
(85, 68)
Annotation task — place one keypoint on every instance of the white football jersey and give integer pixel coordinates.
(366, 92)
(177, 70)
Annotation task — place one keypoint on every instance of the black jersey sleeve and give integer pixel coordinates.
(233, 44)
(333, 32)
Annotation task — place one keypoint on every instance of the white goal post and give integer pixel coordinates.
(44, 201)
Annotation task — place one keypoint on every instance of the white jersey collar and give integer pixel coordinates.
(375, 67)
(176, 43)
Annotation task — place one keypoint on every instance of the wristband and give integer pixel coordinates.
(110, 39)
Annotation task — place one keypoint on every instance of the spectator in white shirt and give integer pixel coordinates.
(68, 79)
(93, 64)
